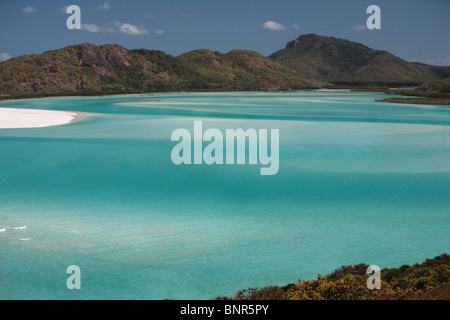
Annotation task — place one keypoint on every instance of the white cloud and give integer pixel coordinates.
(436, 61)
(149, 16)
(160, 31)
(125, 28)
(130, 29)
(107, 29)
(29, 9)
(105, 6)
(4, 56)
(90, 27)
(360, 27)
(274, 26)
(295, 26)
(96, 29)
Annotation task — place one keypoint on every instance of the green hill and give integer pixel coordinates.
(437, 92)
(346, 62)
(429, 280)
(241, 69)
(114, 69)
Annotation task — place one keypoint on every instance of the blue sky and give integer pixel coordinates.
(415, 30)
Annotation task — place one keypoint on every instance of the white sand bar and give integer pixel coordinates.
(31, 118)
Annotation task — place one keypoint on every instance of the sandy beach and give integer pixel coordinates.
(30, 118)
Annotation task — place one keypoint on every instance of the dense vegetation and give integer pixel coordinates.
(425, 281)
(87, 68)
(348, 63)
(437, 92)
(310, 61)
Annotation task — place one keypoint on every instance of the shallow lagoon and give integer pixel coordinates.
(359, 181)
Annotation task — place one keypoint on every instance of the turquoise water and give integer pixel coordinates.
(359, 182)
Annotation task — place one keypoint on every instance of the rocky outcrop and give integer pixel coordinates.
(115, 53)
(32, 85)
(50, 67)
(90, 55)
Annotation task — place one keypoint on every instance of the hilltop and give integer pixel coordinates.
(429, 280)
(346, 62)
(115, 69)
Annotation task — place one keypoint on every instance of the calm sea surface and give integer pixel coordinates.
(359, 182)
